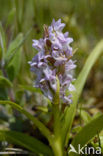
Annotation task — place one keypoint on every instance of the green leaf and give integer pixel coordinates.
(76, 129)
(25, 141)
(87, 133)
(5, 82)
(45, 131)
(2, 42)
(85, 116)
(29, 88)
(3, 93)
(42, 108)
(97, 115)
(13, 66)
(79, 84)
(10, 17)
(13, 46)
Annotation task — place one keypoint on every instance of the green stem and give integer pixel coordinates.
(56, 109)
(57, 146)
(56, 142)
(56, 119)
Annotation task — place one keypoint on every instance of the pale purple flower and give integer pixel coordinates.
(38, 44)
(54, 60)
(57, 25)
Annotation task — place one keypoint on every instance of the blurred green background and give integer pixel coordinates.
(23, 20)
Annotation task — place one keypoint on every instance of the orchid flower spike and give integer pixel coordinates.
(54, 60)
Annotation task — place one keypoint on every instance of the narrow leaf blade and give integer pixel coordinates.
(5, 82)
(45, 131)
(13, 46)
(25, 141)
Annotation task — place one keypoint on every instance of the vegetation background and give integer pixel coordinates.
(23, 20)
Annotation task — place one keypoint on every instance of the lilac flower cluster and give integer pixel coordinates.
(54, 60)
